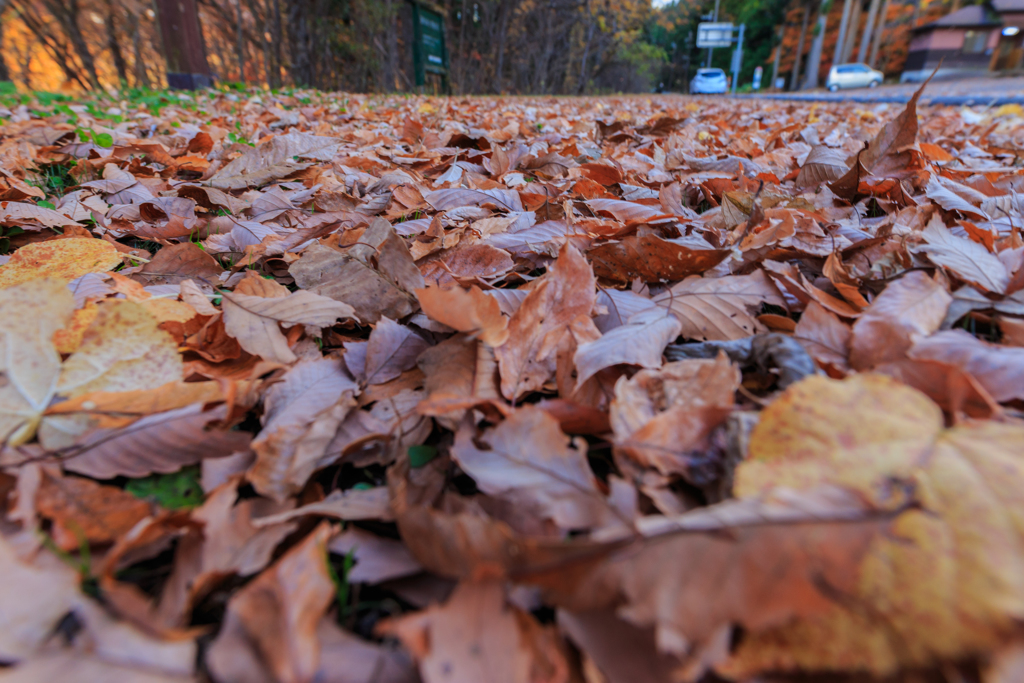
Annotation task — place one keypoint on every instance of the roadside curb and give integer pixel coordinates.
(949, 100)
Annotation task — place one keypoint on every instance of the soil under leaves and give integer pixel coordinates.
(311, 387)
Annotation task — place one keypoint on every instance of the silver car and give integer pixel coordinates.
(853, 76)
(708, 82)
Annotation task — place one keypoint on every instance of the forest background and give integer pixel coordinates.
(558, 47)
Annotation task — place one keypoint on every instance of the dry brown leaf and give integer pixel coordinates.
(528, 461)
(34, 597)
(326, 272)
(302, 415)
(967, 259)
(229, 543)
(32, 216)
(273, 159)
(161, 442)
(378, 559)
(999, 369)
(391, 350)
(82, 510)
(541, 326)
(823, 165)
(720, 308)
(661, 418)
(653, 259)
(179, 262)
(825, 337)
(639, 341)
(466, 310)
(476, 636)
(256, 321)
(275, 616)
(908, 309)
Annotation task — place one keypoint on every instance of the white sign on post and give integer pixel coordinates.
(714, 34)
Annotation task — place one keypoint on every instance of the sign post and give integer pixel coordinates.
(722, 34)
(713, 34)
(428, 48)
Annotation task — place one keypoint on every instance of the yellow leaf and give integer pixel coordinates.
(30, 314)
(1009, 110)
(123, 350)
(947, 582)
(65, 260)
(69, 338)
(169, 310)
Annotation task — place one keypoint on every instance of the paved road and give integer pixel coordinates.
(984, 91)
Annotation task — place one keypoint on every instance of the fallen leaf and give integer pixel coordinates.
(653, 259)
(275, 616)
(908, 309)
(82, 510)
(302, 415)
(179, 262)
(640, 341)
(378, 559)
(476, 636)
(999, 369)
(255, 321)
(65, 259)
(720, 308)
(529, 462)
(825, 337)
(967, 259)
(466, 310)
(541, 325)
(30, 314)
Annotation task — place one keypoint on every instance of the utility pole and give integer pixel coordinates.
(737, 59)
(778, 55)
(715, 19)
(184, 50)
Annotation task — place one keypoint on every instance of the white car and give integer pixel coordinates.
(708, 82)
(853, 76)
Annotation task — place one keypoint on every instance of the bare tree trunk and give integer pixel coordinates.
(55, 46)
(5, 75)
(795, 79)
(68, 16)
(851, 33)
(591, 25)
(876, 43)
(240, 49)
(278, 41)
(814, 59)
(504, 10)
(844, 25)
(865, 39)
(141, 77)
(115, 46)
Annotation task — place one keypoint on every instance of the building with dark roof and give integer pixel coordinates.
(978, 38)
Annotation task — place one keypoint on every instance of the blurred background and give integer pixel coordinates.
(564, 47)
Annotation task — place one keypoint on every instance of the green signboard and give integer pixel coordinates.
(429, 54)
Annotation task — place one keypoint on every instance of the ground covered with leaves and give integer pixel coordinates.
(347, 389)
